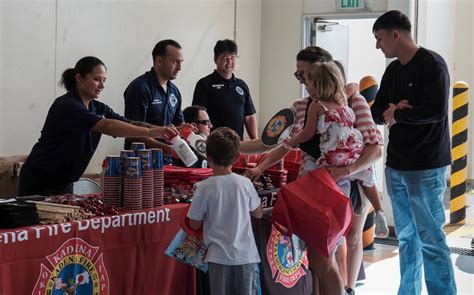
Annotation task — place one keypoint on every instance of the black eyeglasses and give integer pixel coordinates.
(299, 76)
(203, 122)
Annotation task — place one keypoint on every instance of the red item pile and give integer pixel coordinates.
(182, 175)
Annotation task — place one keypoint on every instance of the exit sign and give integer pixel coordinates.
(350, 4)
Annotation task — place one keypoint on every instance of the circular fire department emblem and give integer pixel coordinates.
(75, 268)
(286, 256)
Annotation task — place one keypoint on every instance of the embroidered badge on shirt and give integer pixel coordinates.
(156, 101)
(239, 90)
(173, 100)
(217, 86)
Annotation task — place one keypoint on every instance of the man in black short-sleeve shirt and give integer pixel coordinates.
(226, 97)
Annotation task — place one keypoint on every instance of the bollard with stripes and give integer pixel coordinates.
(369, 231)
(459, 153)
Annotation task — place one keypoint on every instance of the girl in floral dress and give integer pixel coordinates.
(328, 115)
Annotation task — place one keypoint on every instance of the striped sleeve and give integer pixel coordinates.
(364, 121)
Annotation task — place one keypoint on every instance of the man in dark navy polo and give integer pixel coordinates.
(153, 98)
(226, 97)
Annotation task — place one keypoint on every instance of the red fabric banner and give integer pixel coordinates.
(121, 254)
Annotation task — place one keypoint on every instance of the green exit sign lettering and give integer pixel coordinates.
(351, 4)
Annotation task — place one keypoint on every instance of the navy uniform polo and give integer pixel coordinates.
(147, 101)
(228, 102)
(66, 145)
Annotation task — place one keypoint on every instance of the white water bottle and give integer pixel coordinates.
(183, 150)
(196, 141)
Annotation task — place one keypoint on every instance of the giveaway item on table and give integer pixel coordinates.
(147, 178)
(278, 128)
(111, 183)
(174, 174)
(158, 177)
(136, 146)
(314, 208)
(18, 214)
(132, 184)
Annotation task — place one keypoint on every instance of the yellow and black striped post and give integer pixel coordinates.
(369, 231)
(459, 153)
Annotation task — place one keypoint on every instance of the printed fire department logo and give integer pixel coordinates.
(286, 257)
(75, 268)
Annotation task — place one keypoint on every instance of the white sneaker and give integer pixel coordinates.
(381, 228)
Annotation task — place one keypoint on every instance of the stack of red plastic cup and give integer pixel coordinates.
(124, 154)
(111, 181)
(158, 177)
(147, 179)
(132, 185)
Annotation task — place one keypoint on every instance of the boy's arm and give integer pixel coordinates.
(310, 128)
(257, 213)
(195, 224)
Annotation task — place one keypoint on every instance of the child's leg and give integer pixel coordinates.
(381, 228)
(341, 259)
(372, 194)
(245, 279)
(220, 279)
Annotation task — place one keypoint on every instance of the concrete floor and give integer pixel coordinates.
(382, 268)
(383, 276)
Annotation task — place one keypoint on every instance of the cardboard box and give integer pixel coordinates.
(9, 175)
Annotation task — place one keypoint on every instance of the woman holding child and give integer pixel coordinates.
(365, 148)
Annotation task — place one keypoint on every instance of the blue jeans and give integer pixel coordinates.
(418, 211)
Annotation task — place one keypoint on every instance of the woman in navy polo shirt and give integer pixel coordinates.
(72, 131)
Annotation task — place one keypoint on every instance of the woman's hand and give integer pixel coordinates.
(168, 131)
(253, 174)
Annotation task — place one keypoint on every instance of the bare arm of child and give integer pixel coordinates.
(195, 224)
(257, 213)
(310, 128)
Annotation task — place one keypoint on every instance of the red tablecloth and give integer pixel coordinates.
(122, 254)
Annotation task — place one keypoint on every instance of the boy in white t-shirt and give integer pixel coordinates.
(224, 203)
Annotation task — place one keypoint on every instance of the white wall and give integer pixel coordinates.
(463, 65)
(282, 35)
(41, 38)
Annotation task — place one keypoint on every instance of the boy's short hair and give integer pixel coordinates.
(222, 146)
(392, 20)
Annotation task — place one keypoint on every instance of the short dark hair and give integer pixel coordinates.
(191, 113)
(161, 47)
(313, 54)
(222, 146)
(83, 67)
(223, 46)
(392, 20)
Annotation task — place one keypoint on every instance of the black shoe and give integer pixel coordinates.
(350, 291)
